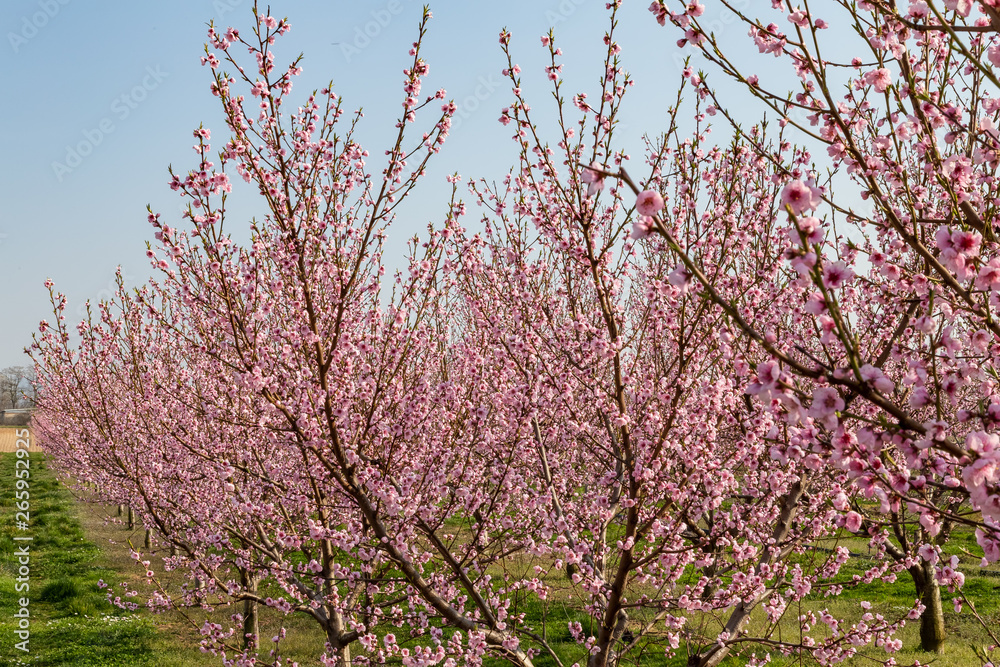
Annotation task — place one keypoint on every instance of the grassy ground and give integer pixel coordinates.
(76, 544)
(71, 622)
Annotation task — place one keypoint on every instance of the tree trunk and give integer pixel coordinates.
(609, 656)
(715, 654)
(339, 648)
(251, 622)
(710, 659)
(147, 541)
(131, 518)
(932, 634)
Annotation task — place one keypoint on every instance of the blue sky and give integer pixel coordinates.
(122, 82)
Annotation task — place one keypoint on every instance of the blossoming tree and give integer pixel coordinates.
(895, 259)
(672, 391)
(641, 428)
(279, 415)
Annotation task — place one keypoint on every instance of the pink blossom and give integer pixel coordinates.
(815, 304)
(692, 35)
(769, 40)
(836, 275)
(556, 314)
(642, 227)
(799, 18)
(966, 243)
(809, 225)
(958, 169)
(984, 472)
(942, 238)
(955, 261)
(876, 378)
(680, 277)
(828, 329)
(920, 398)
(695, 9)
(990, 545)
(594, 177)
(929, 523)
(768, 375)
(963, 7)
(659, 11)
(928, 553)
(980, 340)
(989, 275)
(880, 79)
(799, 197)
(892, 272)
(993, 53)
(919, 9)
(649, 203)
(826, 401)
(803, 264)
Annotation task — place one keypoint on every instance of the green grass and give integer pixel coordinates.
(71, 621)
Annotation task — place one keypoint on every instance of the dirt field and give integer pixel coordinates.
(8, 439)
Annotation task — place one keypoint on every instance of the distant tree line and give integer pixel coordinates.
(17, 387)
